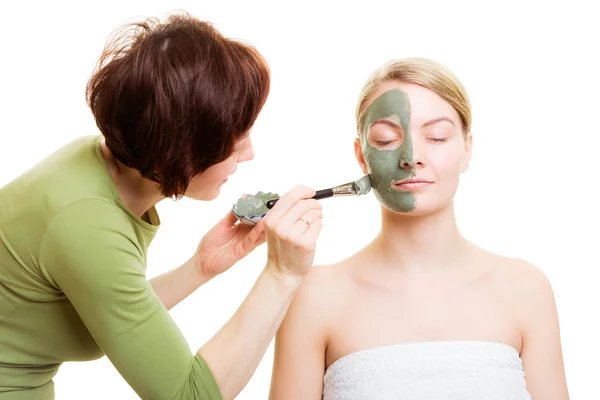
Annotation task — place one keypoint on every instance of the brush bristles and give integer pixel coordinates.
(362, 185)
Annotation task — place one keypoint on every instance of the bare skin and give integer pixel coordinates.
(361, 304)
(420, 280)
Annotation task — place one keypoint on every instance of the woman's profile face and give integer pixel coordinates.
(413, 147)
(207, 185)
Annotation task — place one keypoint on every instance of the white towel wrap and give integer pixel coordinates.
(461, 370)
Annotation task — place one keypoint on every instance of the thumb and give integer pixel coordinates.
(230, 219)
(250, 240)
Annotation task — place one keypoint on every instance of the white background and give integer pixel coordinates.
(531, 71)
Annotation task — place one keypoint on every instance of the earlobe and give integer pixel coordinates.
(468, 152)
(359, 156)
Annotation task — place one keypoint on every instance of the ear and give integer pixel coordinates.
(468, 152)
(359, 156)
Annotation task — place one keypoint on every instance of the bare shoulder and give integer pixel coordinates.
(321, 293)
(527, 290)
(302, 338)
(324, 283)
(531, 292)
(523, 283)
(520, 276)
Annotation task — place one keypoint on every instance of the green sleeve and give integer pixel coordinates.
(91, 253)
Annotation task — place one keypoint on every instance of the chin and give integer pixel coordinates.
(423, 208)
(204, 196)
(429, 209)
(212, 195)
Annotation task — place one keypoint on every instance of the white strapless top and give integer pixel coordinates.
(428, 371)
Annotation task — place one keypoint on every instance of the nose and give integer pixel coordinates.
(416, 158)
(405, 163)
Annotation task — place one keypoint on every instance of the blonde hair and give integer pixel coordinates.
(427, 73)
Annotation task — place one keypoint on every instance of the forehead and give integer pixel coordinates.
(391, 104)
(424, 103)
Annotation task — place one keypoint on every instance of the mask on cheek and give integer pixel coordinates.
(386, 166)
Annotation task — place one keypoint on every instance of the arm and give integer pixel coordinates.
(299, 363)
(236, 350)
(175, 285)
(92, 255)
(225, 244)
(541, 351)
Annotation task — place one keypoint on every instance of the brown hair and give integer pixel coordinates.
(172, 98)
(427, 73)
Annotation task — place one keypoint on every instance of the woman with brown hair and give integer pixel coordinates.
(175, 103)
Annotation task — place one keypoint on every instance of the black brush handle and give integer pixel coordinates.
(271, 203)
(321, 194)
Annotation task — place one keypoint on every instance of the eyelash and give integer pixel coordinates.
(437, 140)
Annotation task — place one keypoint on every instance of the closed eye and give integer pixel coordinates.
(438, 140)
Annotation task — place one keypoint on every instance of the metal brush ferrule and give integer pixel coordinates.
(347, 189)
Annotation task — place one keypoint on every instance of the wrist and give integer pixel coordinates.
(286, 280)
(199, 274)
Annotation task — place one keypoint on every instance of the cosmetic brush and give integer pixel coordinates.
(358, 187)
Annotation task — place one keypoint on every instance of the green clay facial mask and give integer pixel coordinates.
(253, 205)
(387, 149)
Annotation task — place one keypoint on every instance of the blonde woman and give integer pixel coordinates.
(421, 312)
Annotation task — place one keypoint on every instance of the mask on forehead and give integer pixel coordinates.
(387, 166)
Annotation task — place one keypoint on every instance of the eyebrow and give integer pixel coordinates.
(436, 120)
(389, 122)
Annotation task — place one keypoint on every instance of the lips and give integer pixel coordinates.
(410, 184)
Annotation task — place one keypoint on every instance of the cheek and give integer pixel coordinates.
(211, 177)
(221, 170)
(229, 165)
(194, 189)
(379, 162)
(446, 161)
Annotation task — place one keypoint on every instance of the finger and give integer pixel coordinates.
(245, 229)
(288, 200)
(300, 208)
(230, 219)
(312, 215)
(258, 229)
(249, 242)
(260, 240)
(312, 233)
(303, 223)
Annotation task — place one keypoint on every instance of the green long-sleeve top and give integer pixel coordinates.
(73, 285)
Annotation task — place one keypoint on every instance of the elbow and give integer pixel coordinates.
(201, 384)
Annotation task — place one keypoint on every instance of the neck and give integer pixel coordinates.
(419, 243)
(137, 193)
